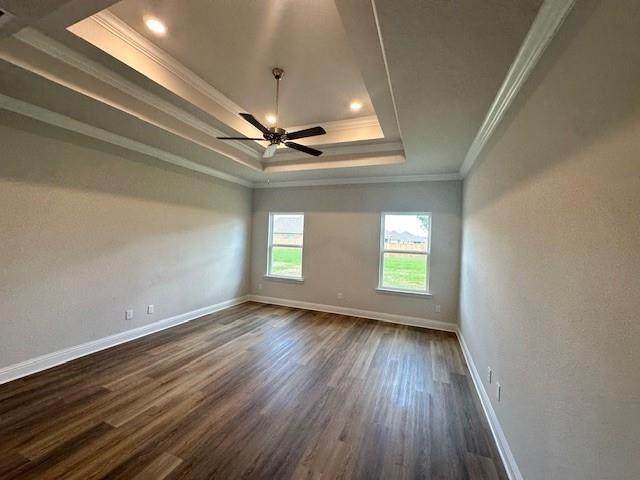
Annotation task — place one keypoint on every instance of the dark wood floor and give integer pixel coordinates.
(255, 391)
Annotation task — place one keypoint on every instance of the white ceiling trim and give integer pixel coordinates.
(68, 123)
(445, 177)
(345, 161)
(123, 30)
(341, 125)
(360, 129)
(386, 65)
(68, 56)
(547, 22)
(285, 155)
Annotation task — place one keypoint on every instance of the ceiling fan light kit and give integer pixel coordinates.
(276, 135)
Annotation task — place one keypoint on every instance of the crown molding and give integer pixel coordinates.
(67, 123)
(386, 65)
(124, 32)
(55, 49)
(286, 155)
(343, 161)
(444, 177)
(547, 22)
(341, 125)
(359, 129)
(70, 124)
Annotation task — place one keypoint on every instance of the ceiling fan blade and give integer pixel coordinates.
(270, 151)
(254, 121)
(239, 138)
(307, 132)
(303, 148)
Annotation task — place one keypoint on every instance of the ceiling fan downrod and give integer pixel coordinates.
(278, 73)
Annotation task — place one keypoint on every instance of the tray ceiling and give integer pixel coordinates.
(426, 74)
(233, 45)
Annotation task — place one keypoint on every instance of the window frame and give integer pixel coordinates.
(427, 254)
(270, 246)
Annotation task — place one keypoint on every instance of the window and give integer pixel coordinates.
(286, 232)
(405, 242)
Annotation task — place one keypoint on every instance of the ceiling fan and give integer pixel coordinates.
(276, 135)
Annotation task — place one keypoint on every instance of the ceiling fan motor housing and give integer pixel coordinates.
(275, 134)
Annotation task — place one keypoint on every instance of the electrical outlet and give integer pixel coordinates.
(498, 391)
(438, 309)
(128, 315)
(339, 294)
(490, 375)
(150, 309)
(259, 286)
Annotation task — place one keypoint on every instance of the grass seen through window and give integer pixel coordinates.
(286, 261)
(404, 270)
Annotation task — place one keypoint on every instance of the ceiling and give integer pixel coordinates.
(233, 45)
(446, 62)
(426, 73)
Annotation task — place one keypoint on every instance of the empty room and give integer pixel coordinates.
(320, 239)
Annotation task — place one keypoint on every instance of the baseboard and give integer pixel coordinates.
(355, 312)
(508, 459)
(34, 365)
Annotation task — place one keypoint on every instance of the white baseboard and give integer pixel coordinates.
(34, 365)
(355, 312)
(508, 459)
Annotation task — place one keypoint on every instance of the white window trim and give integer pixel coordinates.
(403, 291)
(270, 246)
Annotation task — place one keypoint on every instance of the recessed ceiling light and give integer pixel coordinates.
(271, 119)
(355, 106)
(156, 26)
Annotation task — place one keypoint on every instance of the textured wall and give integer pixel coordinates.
(87, 232)
(550, 279)
(342, 242)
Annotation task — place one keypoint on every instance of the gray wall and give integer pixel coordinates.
(342, 241)
(550, 282)
(86, 232)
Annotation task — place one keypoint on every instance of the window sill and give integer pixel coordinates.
(404, 292)
(284, 279)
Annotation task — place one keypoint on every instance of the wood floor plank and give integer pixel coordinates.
(255, 391)
(159, 468)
